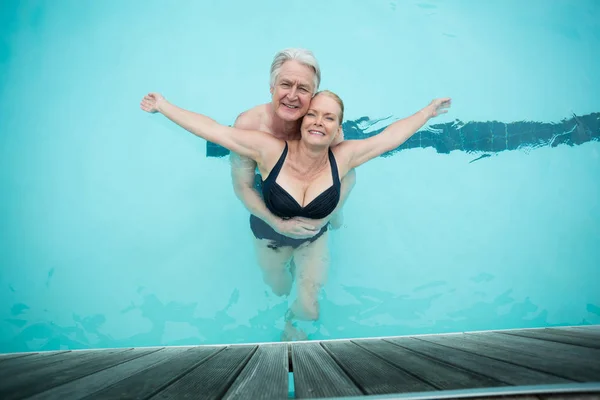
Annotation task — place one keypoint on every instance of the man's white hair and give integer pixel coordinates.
(303, 56)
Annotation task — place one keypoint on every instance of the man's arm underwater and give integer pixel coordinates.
(243, 175)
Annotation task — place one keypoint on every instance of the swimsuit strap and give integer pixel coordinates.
(334, 169)
(277, 168)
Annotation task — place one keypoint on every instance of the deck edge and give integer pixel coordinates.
(306, 341)
(501, 391)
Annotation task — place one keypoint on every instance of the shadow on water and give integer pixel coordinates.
(476, 137)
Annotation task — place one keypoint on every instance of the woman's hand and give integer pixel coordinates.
(151, 102)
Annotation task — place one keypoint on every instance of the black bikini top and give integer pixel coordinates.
(282, 204)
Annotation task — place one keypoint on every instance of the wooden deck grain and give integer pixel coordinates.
(74, 366)
(17, 365)
(372, 374)
(552, 363)
(528, 364)
(568, 331)
(265, 376)
(571, 362)
(211, 379)
(434, 372)
(552, 336)
(94, 383)
(10, 356)
(593, 328)
(317, 375)
(506, 372)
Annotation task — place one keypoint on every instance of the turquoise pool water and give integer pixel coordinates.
(120, 229)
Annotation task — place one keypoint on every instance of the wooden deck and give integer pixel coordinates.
(546, 363)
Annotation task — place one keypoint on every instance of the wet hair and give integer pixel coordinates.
(303, 56)
(337, 99)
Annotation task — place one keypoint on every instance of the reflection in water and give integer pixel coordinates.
(429, 285)
(372, 312)
(18, 309)
(50, 275)
(591, 308)
(483, 277)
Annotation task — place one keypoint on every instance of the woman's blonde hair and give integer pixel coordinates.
(337, 100)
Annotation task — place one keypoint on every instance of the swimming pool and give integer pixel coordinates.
(119, 229)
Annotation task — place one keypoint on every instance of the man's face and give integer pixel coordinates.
(293, 90)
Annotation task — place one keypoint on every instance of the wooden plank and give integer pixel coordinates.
(575, 360)
(66, 360)
(372, 374)
(39, 380)
(10, 356)
(539, 345)
(556, 337)
(593, 328)
(93, 383)
(212, 378)
(575, 332)
(521, 397)
(564, 367)
(438, 374)
(502, 371)
(265, 376)
(316, 374)
(571, 396)
(503, 397)
(19, 365)
(151, 380)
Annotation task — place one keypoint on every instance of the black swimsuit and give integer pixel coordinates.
(282, 204)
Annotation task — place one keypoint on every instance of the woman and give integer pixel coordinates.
(294, 79)
(301, 178)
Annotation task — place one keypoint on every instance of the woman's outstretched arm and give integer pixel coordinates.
(252, 146)
(360, 151)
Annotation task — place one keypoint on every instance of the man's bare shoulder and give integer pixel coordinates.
(252, 118)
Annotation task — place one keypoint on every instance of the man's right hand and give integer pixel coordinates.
(295, 228)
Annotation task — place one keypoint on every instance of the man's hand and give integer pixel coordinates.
(296, 228)
(317, 223)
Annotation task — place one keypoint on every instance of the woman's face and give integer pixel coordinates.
(322, 124)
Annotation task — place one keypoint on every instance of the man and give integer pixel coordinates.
(295, 78)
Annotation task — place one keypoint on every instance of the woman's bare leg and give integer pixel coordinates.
(273, 263)
(312, 264)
